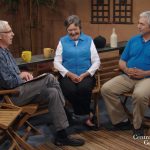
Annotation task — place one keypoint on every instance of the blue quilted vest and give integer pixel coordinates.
(76, 58)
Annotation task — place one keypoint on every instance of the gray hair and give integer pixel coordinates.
(147, 15)
(3, 25)
(73, 19)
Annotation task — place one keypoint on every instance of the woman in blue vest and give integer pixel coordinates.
(77, 60)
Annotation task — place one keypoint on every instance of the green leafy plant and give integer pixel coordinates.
(49, 3)
(13, 4)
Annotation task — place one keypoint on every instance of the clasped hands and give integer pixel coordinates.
(135, 73)
(75, 78)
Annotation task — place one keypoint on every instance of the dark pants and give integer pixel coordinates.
(78, 94)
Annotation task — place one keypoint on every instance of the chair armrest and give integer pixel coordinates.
(117, 70)
(30, 108)
(55, 72)
(9, 106)
(11, 91)
(98, 85)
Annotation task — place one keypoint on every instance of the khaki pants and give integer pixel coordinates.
(112, 90)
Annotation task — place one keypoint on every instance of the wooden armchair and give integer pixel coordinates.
(95, 98)
(108, 65)
(105, 73)
(26, 112)
(128, 95)
(102, 75)
(30, 110)
(146, 119)
(9, 119)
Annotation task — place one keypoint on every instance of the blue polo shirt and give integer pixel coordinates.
(137, 53)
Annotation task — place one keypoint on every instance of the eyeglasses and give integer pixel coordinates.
(6, 31)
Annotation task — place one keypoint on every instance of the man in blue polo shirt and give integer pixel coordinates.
(135, 64)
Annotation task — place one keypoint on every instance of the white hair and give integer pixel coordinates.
(147, 15)
(3, 25)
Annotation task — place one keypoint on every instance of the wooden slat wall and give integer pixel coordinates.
(109, 62)
(36, 30)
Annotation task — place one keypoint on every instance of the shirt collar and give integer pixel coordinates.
(142, 39)
(81, 37)
(4, 50)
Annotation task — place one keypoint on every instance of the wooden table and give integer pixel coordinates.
(107, 48)
(39, 59)
(36, 59)
(37, 65)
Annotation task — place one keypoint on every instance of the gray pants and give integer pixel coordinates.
(112, 90)
(45, 90)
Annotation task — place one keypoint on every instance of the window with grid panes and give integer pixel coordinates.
(100, 11)
(111, 11)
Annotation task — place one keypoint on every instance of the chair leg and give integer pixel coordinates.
(14, 145)
(126, 109)
(22, 120)
(25, 136)
(34, 129)
(20, 141)
(96, 109)
(3, 136)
